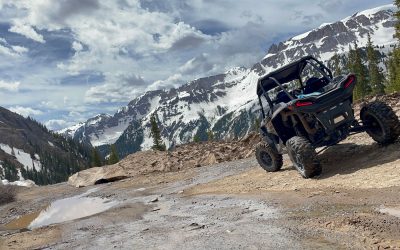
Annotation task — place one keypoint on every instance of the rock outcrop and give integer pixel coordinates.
(182, 157)
(97, 175)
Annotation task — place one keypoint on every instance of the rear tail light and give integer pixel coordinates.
(300, 104)
(350, 80)
(303, 103)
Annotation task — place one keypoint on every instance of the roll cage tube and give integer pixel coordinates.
(262, 108)
(320, 67)
(329, 77)
(264, 93)
(280, 85)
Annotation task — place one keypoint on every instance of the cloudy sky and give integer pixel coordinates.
(64, 61)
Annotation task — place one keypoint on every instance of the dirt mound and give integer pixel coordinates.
(180, 158)
(189, 156)
(392, 100)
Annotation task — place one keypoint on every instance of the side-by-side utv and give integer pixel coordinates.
(304, 107)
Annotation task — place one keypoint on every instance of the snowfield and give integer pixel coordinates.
(22, 157)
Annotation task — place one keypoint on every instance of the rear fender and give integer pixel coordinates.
(271, 139)
(363, 109)
(281, 129)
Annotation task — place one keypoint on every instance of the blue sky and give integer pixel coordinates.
(67, 60)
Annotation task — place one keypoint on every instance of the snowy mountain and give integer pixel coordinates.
(324, 41)
(28, 150)
(226, 103)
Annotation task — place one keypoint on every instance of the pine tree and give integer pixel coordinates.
(336, 65)
(393, 63)
(196, 138)
(210, 135)
(96, 160)
(257, 124)
(393, 66)
(113, 155)
(10, 171)
(156, 134)
(356, 67)
(350, 59)
(397, 16)
(376, 77)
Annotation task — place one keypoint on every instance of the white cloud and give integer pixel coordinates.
(171, 82)
(20, 49)
(77, 46)
(49, 105)
(9, 86)
(119, 87)
(199, 64)
(27, 31)
(11, 50)
(25, 111)
(57, 124)
(138, 45)
(7, 51)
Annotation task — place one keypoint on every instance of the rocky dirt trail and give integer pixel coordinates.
(160, 215)
(233, 205)
(215, 196)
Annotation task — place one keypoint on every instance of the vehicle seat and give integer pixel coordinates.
(282, 97)
(314, 84)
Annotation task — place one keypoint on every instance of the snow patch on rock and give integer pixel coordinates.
(22, 157)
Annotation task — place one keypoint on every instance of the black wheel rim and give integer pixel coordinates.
(265, 158)
(374, 126)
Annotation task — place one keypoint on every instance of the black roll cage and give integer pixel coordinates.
(319, 66)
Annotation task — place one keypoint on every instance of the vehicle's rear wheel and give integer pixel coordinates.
(268, 158)
(303, 156)
(382, 122)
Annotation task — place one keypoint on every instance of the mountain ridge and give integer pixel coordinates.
(28, 150)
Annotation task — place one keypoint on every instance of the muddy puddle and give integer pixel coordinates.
(62, 210)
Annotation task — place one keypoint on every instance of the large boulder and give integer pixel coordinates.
(97, 175)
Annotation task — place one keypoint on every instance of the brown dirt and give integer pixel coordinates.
(156, 179)
(32, 239)
(189, 156)
(356, 163)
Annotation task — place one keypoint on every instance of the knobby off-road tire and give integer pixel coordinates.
(268, 158)
(383, 123)
(303, 156)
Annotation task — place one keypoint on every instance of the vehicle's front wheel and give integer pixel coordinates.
(303, 156)
(268, 158)
(382, 122)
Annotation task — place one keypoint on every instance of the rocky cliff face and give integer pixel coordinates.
(226, 103)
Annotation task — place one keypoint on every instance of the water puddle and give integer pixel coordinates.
(22, 222)
(62, 210)
(393, 211)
